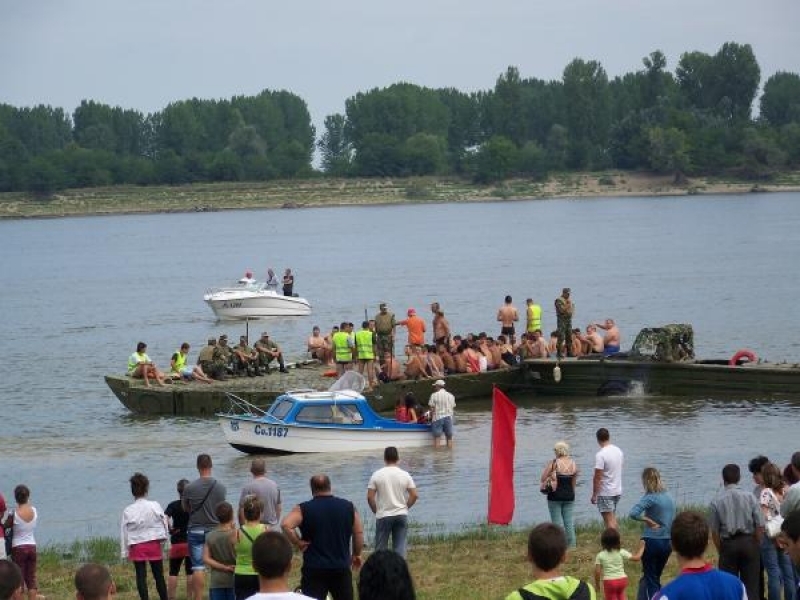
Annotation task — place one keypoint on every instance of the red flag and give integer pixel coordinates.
(501, 467)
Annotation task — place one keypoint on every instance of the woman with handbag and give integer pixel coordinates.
(777, 564)
(558, 483)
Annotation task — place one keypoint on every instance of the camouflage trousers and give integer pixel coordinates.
(564, 335)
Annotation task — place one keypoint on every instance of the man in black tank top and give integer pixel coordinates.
(331, 538)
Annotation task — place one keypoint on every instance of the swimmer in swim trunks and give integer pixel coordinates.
(612, 338)
(507, 315)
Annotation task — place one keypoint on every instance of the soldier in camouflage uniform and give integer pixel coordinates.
(564, 311)
(267, 351)
(206, 361)
(385, 324)
(222, 355)
(244, 358)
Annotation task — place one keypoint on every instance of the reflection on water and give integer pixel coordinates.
(79, 293)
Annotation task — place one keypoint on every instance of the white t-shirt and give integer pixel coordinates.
(279, 596)
(609, 460)
(391, 485)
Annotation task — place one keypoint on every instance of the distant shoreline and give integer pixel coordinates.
(325, 192)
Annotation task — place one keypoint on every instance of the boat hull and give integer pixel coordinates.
(255, 436)
(255, 305)
(610, 376)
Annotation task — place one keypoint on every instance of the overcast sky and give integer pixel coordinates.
(144, 54)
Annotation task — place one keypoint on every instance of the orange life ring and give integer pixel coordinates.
(744, 353)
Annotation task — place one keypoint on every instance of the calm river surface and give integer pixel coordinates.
(77, 294)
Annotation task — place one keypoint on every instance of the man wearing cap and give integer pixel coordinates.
(416, 329)
(384, 328)
(442, 404)
(245, 357)
(206, 361)
(223, 355)
(564, 311)
(267, 351)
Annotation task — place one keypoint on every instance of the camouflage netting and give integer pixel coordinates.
(670, 343)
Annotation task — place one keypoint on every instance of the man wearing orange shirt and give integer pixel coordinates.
(416, 329)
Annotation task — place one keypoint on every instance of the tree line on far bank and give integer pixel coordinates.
(696, 120)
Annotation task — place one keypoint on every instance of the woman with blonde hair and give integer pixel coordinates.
(777, 564)
(656, 509)
(558, 482)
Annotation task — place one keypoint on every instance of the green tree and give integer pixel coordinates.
(424, 154)
(588, 110)
(335, 149)
(668, 152)
(496, 160)
(780, 102)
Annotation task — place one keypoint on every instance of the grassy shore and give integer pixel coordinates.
(481, 563)
(346, 192)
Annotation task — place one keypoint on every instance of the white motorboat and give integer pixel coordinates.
(337, 420)
(253, 300)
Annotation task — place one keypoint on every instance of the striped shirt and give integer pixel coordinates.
(442, 402)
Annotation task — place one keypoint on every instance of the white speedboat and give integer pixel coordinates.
(253, 300)
(337, 420)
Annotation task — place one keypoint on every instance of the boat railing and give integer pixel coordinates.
(239, 407)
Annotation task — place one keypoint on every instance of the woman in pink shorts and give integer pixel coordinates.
(23, 546)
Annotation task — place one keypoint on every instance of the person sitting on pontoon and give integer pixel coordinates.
(141, 367)
(179, 366)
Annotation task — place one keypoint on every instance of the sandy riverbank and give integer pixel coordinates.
(346, 192)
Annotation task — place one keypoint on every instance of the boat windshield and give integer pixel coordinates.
(339, 414)
(350, 380)
(281, 409)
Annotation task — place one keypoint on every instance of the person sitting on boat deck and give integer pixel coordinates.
(272, 281)
(223, 355)
(612, 338)
(391, 369)
(592, 341)
(179, 367)
(433, 364)
(245, 358)
(459, 358)
(288, 282)
(552, 344)
(447, 359)
(407, 409)
(248, 278)
(318, 347)
(576, 344)
(266, 351)
(365, 352)
(506, 351)
(141, 367)
(206, 361)
(415, 366)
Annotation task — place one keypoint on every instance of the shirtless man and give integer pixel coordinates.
(390, 369)
(576, 343)
(506, 351)
(507, 315)
(542, 348)
(415, 366)
(593, 341)
(612, 339)
(446, 358)
(319, 348)
(441, 328)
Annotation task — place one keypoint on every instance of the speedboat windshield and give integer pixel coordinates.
(350, 380)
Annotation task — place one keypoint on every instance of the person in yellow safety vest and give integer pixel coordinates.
(365, 351)
(342, 349)
(179, 367)
(534, 314)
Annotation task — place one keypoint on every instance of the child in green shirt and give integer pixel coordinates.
(220, 556)
(608, 565)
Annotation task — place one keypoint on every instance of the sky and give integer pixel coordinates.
(144, 54)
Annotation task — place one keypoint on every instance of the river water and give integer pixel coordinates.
(77, 294)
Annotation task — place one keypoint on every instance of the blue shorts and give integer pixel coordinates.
(196, 539)
(444, 425)
(187, 372)
(610, 350)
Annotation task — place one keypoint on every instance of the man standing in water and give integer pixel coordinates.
(442, 404)
(607, 481)
(565, 308)
(507, 315)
